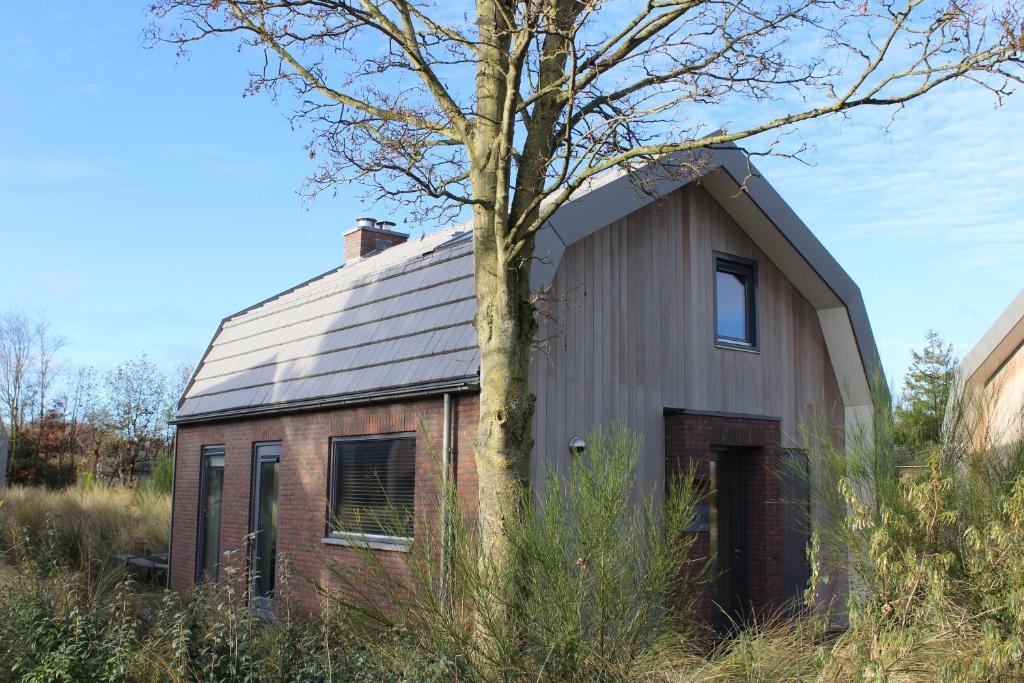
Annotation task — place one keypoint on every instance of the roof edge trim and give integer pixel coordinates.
(467, 383)
(1000, 340)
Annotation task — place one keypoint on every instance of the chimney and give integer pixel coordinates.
(370, 237)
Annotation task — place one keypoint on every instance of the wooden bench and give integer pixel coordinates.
(150, 565)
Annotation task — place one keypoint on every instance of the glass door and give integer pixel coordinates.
(210, 497)
(264, 523)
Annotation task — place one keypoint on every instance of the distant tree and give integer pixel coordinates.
(177, 382)
(926, 390)
(81, 402)
(16, 382)
(46, 346)
(137, 399)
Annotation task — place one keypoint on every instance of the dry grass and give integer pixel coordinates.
(82, 526)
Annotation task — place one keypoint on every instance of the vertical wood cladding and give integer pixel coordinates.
(628, 329)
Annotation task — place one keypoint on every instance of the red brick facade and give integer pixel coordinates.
(695, 439)
(305, 439)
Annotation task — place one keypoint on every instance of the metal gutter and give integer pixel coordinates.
(170, 525)
(446, 466)
(462, 384)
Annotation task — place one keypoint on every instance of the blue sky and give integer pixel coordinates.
(142, 198)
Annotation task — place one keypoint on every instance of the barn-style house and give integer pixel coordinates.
(701, 312)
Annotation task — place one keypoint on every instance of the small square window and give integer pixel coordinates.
(735, 302)
(372, 485)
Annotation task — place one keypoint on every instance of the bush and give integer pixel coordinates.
(161, 477)
(31, 470)
(595, 591)
(55, 625)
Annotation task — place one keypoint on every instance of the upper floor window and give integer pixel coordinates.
(372, 483)
(735, 301)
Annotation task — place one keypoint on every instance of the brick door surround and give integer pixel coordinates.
(692, 438)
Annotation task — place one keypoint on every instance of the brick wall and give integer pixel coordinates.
(305, 440)
(362, 241)
(693, 439)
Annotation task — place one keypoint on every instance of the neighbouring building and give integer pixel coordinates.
(702, 314)
(990, 382)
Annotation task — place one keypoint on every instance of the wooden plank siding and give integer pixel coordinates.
(631, 332)
(998, 409)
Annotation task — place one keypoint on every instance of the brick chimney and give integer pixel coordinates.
(370, 237)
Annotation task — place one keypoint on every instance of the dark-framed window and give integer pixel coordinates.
(264, 517)
(371, 486)
(736, 318)
(211, 489)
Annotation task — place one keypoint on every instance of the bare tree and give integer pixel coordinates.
(81, 404)
(507, 107)
(47, 345)
(16, 368)
(137, 400)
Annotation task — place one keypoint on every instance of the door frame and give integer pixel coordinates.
(261, 603)
(205, 453)
(739, 601)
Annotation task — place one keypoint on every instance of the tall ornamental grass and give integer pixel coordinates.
(82, 526)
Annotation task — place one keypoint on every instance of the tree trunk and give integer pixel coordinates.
(506, 328)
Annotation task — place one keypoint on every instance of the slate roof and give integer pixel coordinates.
(401, 319)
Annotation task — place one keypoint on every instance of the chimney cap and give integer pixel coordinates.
(365, 222)
(386, 225)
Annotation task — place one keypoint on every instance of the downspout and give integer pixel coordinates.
(446, 467)
(170, 525)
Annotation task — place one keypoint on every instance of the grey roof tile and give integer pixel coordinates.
(380, 323)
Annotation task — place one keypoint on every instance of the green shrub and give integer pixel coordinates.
(162, 475)
(595, 592)
(54, 628)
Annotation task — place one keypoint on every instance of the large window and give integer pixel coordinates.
(735, 302)
(210, 497)
(372, 481)
(265, 508)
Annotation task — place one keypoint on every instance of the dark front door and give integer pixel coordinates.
(795, 479)
(729, 539)
(264, 523)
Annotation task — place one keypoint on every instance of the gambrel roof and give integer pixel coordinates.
(402, 318)
(400, 323)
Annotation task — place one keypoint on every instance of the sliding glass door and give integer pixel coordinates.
(267, 458)
(210, 497)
